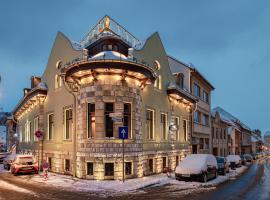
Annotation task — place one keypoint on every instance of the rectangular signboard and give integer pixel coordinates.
(123, 132)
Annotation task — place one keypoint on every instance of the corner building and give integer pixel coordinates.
(91, 88)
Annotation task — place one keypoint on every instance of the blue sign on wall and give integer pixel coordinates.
(123, 132)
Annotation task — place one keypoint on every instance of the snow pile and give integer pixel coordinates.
(8, 186)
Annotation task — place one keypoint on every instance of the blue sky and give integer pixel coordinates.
(228, 41)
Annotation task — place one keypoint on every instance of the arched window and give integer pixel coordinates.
(158, 83)
(58, 64)
(58, 81)
(157, 65)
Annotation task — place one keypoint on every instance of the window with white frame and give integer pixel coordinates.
(91, 120)
(163, 125)
(158, 83)
(58, 81)
(197, 117)
(176, 123)
(50, 125)
(68, 123)
(205, 120)
(35, 127)
(205, 97)
(185, 129)
(196, 90)
(150, 123)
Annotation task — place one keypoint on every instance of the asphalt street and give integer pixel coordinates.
(252, 185)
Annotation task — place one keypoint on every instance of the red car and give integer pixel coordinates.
(24, 164)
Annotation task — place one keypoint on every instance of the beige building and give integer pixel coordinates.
(91, 88)
(195, 83)
(219, 135)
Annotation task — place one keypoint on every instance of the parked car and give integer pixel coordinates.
(223, 165)
(24, 164)
(8, 160)
(198, 167)
(248, 157)
(243, 160)
(2, 156)
(234, 161)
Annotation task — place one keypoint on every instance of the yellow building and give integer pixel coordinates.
(91, 88)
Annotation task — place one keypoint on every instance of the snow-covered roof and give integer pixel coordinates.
(42, 86)
(109, 55)
(226, 116)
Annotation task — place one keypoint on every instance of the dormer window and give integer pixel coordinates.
(180, 80)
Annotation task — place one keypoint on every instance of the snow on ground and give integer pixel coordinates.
(6, 185)
(117, 187)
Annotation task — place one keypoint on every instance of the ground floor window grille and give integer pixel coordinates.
(151, 165)
(164, 162)
(128, 168)
(67, 165)
(109, 169)
(90, 169)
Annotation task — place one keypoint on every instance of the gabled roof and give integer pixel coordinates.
(109, 27)
(226, 116)
(192, 69)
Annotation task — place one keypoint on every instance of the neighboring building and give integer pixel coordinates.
(190, 79)
(240, 141)
(3, 130)
(12, 136)
(266, 139)
(219, 135)
(256, 141)
(85, 92)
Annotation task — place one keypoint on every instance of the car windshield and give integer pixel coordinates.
(26, 160)
(220, 160)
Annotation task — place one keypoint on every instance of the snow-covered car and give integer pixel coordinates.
(24, 164)
(8, 160)
(223, 165)
(198, 167)
(234, 160)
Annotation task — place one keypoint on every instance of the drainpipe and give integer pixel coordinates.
(73, 93)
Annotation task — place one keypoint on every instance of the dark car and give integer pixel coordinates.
(248, 157)
(8, 160)
(223, 165)
(243, 159)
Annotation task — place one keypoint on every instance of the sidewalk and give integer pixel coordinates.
(116, 187)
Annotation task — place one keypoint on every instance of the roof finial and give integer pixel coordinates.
(106, 22)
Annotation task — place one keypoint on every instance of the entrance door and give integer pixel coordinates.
(215, 151)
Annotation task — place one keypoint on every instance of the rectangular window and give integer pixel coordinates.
(217, 133)
(91, 120)
(89, 168)
(68, 123)
(213, 132)
(150, 123)
(177, 160)
(205, 97)
(30, 136)
(128, 168)
(50, 125)
(109, 169)
(197, 90)
(221, 133)
(164, 163)
(176, 123)
(151, 165)
(197, 117)
(205, 120)
(109, 108)
(201, 143)
(225, 134)
(185, 130)
(35, 127)
(206, 143)
(50, 163)
(127, 117)
(163, 125)
(157, 83)
(67, 165)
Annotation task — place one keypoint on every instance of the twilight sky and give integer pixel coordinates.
(228, 41)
